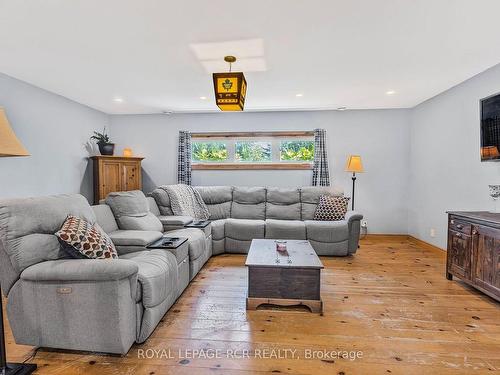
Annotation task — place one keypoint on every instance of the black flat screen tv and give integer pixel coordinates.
(490, 128)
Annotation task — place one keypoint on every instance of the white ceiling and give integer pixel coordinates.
(152, 53)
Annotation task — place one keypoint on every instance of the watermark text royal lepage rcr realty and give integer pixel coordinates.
(261, 353)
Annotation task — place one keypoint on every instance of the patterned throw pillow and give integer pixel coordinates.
(84, 240)
(331, 208)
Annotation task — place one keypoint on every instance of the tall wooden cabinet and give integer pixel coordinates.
(474, 250)
(116, 173)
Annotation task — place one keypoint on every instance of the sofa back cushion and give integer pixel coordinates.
(283, 203)
(249, 203)
(310, 199)
(153, 207)
(162, 201)
(27, 228)
(218, 199)
(131, 211)
(105, 218)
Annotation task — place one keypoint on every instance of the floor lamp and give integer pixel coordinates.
(354, 165)
(10, 146)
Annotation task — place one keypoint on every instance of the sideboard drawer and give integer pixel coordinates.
(460, 226)
(459, 254)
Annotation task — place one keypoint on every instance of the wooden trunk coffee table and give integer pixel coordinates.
(284, 279)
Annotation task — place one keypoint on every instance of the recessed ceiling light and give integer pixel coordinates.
(390, 92)
(118, 100)
(341, 108)
(299, 95)
(203, 97)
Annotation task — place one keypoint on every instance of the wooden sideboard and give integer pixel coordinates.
(116, 173)
(474, 250)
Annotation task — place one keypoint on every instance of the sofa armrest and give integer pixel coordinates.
(140, 238)
(175, 220)
(81, 270)
(351, 216)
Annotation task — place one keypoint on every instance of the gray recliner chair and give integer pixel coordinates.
(91, 305)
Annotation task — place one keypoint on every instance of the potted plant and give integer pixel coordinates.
(105, 146)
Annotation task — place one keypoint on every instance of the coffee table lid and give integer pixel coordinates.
(263, 253)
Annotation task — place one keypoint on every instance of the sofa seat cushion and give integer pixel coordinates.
(134, 237)
(327, 231)
(245, 229)
(285, 229)
(196, 240)
(218, 229)
(157, 276)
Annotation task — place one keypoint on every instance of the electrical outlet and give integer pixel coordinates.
(364, 223)
(433, 232)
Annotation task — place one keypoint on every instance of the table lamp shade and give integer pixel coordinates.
(9, 144)
(354, 164)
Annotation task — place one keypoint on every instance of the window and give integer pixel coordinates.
(208, 152)
(297, 151)
(253, 151)
(257, 150)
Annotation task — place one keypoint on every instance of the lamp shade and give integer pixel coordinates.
(354, 164)
(9, 144)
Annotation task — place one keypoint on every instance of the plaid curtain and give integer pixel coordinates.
(184, 158)
(321, 174)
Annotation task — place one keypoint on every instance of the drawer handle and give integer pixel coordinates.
(474, 231)
(460, 226)
(452, 221)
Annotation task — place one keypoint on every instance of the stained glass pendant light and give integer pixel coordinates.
(230, 88)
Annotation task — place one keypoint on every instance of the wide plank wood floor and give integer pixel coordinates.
(390, 301)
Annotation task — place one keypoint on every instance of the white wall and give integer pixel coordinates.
(380, 136)
(53, 129)
(446, 171)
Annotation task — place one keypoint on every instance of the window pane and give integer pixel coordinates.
(253, 151)
(297, 151)
(209, 151)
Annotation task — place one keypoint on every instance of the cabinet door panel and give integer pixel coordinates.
(110, 177)
(131, 176)
(486, 262)
(459, 254)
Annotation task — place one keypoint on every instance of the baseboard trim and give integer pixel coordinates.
(424, 244)
(387, 237)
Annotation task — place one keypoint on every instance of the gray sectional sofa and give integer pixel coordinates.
(240, 214)
(106, 306)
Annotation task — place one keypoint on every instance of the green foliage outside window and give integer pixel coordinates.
(252, 151)
(297, 151)
(209, 151)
